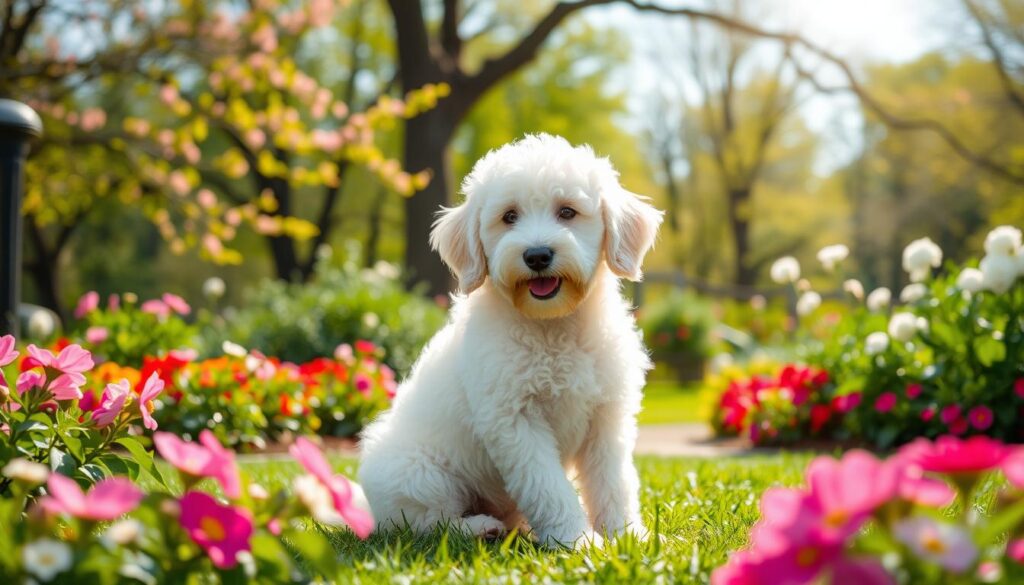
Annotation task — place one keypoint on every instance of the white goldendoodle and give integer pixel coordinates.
(540, 369)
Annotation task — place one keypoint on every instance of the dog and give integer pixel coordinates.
(540, 369)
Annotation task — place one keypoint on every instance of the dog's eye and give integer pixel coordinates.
(567, 213)
(510, 217)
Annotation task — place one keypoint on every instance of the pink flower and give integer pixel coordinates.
(913, 391)
(885, 402)
(107, 500)
(981, 417)
(176, 304)
(96, 335)
(154, 385)
(29, 380)
(1018, 387)
(958, 427)
(363, 384)
(7, 355)
(846, 402)
(113, 302)
(112, 403)
(156, 307)
(953, 455)
(87, 304)
(863, 571)
(848, 490)
(71, 360)
(914, 486)
(1013, 468)
(222, 531)
(942, 543)
(222, 465)
(306, 453)
(928, 414)
(949, 414)
(1015, 550)
(190, 458)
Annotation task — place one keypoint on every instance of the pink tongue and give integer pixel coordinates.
(542, 287)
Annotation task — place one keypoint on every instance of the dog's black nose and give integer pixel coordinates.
(538, 258)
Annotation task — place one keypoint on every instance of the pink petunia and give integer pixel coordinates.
(1015, 550)
(29, 380)
(846, 402)
(914, 486)
(156, 307)
(1013, 468)
(954, 455)
(96, 335)
(111, 403)
(176, 304)
(222, 531)
(191, 458)
(363, 384)
(913, 391)
(108, 499)
(87, 304)
(221, 466)
(846, 491)
(7, 355)
(949, 414)
(981, 417)
(311, 458)
(886, 402)
(154, 385)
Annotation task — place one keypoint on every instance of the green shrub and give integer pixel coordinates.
(299, 322)
(679, 322)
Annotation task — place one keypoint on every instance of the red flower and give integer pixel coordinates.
(913, 391)
(928, 414)
(981, 417)
(820, 413)
(165, 367)
(886, 402)
(365, 347)
(949, 414)
(846, 402)
(1018, 388)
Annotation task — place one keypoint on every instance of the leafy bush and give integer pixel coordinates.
(125, 332)
(881, 522)
(679, 322)
(300, 322)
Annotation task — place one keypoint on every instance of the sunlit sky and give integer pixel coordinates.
(860, 31)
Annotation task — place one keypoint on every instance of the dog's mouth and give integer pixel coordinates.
(544, 287)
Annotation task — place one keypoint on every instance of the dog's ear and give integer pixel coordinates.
(631, 225)
(456, 237)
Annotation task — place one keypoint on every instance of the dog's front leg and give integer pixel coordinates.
(608, 477)
(523, 449)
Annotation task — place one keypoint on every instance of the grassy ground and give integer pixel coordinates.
(702, 509)
(668, 402)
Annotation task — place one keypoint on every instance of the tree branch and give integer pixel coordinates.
(414, 57)
(998, 59)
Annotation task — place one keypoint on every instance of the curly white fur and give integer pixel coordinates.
(516, 391)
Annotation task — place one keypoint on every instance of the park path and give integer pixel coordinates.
(665, 440)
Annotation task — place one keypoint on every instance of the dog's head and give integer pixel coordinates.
(540, 216)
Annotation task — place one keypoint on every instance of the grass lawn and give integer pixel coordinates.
(668, 402)
(702, 509)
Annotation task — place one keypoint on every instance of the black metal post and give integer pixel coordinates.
(19, 126)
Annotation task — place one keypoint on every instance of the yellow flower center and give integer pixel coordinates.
(212, 527)
(933, 544)
(836, 518)
(46, 559)
(807, 556)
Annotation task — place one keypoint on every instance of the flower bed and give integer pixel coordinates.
(863, 520)
(949, 360)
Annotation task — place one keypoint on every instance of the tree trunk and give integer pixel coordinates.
(426, 147)
(739, 220)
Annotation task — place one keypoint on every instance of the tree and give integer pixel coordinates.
(199, 114)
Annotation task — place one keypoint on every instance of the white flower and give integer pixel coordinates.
(903, 326)
(214, 287)
(258, 492)
(758, 302)
(879, 299)
(721, 361)
(785, 270)
(124, 532)
(998, 273)
(371, 320)
(854, 288)
(1004, 240)
(942, 543)
(876, 343)
(808, 302)
(970, 280)
(919, 257)
(913, 293)
(315, 497)
(923, 325)
(829, 256)
(46, 558)
(41, 324)
(233, 349)
(27, 471)
(386, 270)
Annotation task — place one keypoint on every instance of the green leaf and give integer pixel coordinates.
(273, 560)
(989, 350)
(143, 458)
(62, 463)
(315, 548)
(92, 472)
(1000, 524)
(31, 425)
